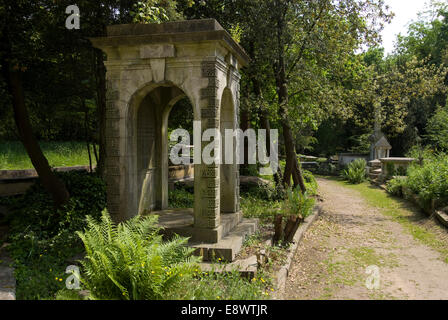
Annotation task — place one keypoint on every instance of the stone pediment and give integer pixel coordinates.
(383, 143)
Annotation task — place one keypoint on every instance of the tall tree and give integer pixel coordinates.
(17, 28)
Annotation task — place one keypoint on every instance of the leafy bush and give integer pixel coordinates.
(130, 260)
(43, 238)
(437, 128)
(263, 191)
(298, 203)
(355, 172)
(395, 186)
(181, 197)
(390, 168)
(401, 171)
(430, 181)
(310, 182)
(255, 207)
(35, 212)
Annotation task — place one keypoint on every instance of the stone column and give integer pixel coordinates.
(115, 172)
(207, 186)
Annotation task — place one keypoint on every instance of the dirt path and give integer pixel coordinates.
(349, 237)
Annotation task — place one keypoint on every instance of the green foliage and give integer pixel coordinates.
(43, 238)
(437, 129)
(13, 155)
(34, 211)
(310, 182)
(355, 173)
(395, 186)
(266, 191)
(130, 261)
(236, 32)
(249, 170)
(390, 168)
(254, 207)
(430, 181)
(181, 197)
(225, 286)
(360, 144)
(298, 203)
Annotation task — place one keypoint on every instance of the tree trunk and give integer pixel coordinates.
(87, 132)
(100, 71)
(292, 168)
(278, 228)
(49, 180)
(291, 228)
(266, 125)
(244, 125)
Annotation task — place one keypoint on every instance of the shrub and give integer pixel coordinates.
(264, 191)
(310, 182)
(130, 261)
(355, 172)
(401, 171)
(43, 238)
(35, 212)
(181, 197)
(395, 186)
(437, 128)
(430, 181)
(390, 168)
(298, 203)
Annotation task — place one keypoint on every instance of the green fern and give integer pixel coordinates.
(130, 260)
(356, 172)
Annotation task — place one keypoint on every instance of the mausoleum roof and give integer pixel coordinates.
(383, 143)
(186, 31)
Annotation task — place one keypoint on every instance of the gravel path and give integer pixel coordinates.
(350, 236)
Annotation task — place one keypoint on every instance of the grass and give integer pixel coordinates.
(400, 211)
(59, 154)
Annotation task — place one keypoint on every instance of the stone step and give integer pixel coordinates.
(373, 176)
(180, 222)
(229, 246)
(375, 164)
(442, 217)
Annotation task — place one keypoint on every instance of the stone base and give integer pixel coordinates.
(223, 242)
(229, 246)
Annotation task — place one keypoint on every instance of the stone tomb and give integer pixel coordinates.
(150, 67)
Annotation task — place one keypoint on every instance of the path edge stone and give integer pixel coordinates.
(282, 274)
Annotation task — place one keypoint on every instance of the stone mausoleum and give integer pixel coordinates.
(150, 67)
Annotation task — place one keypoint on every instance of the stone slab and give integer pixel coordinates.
(442, 217)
